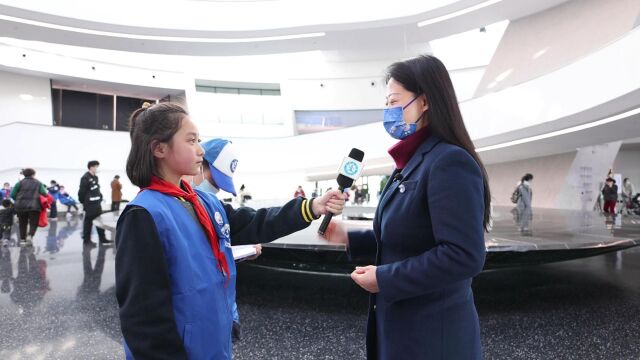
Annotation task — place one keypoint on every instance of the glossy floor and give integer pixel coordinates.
(58, 302)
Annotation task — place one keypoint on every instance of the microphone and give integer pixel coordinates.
(398, 177)
(350, 169)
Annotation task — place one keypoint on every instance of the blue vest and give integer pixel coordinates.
(202, 304)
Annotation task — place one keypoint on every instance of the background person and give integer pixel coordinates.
(627, 194)
(7, 212)
(116, 193)
(91, 198)
(523, 206)
(54, 191)
(26, 194)
(610, 196)
(299, 192)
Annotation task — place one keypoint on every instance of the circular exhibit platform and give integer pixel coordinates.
(543, 236)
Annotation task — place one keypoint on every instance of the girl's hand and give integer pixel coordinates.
(258, 252)
(332, 201)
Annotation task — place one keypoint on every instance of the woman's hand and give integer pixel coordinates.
(336, 233)
(332, 201)
(366, 278)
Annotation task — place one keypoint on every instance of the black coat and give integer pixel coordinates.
(89, 192)
(428, 242)
(28, 195)
(610, 193)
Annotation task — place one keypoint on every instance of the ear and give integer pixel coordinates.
(159, 149)
(424, 103)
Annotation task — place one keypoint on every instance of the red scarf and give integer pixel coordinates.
(404, 149)
(191, 196)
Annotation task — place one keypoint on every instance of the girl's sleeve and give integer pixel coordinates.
(143, 289)
(249, 226)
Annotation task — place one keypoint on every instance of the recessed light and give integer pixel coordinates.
(26, 97)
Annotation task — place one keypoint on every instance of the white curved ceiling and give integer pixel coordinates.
(252, 27)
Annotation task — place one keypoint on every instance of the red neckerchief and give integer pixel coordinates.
(165, 187)
(404, 149)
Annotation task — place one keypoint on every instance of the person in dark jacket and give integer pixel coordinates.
(175, 273)
(26, 194)
(7, 212)
(91, 198)
(427, 241)
(610, 196)
(54, 191)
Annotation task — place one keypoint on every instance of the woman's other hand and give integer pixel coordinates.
(365, 276)
(336, 233)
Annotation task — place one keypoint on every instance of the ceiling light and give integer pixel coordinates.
(457, 13)
(160, 38)
(503, 75)
(540, 53)
(26, 97)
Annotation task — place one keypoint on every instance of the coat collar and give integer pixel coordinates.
(415, 161)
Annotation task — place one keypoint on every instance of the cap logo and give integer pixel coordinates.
(233, 165)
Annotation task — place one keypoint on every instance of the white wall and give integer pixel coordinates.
(34, 106)
(335, 94)
(586, 176)
(61, 154)
(558, 179)
(543, 42)
(552, 100)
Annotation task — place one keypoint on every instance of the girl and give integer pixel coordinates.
(175, 275)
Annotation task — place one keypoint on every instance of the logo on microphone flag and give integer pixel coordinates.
(351, 168)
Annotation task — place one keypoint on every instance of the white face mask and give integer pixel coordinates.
(206, 186)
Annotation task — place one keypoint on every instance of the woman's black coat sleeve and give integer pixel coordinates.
(143, 289)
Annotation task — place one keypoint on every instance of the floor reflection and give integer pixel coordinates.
(57, 296)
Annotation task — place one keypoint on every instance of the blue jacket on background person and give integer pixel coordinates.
(428, 244)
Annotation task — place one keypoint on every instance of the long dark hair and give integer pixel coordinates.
(427, 75)
(149, 125)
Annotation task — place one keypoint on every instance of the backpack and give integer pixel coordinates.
(515, 196)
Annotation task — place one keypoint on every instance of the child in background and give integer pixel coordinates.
(66, 199)
(6, 221)
(175, 274)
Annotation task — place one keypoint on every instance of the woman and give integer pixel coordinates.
(26, 194)
(610, 196)
(428, 232)
(523, 206)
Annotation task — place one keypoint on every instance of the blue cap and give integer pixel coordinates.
(222, 159)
